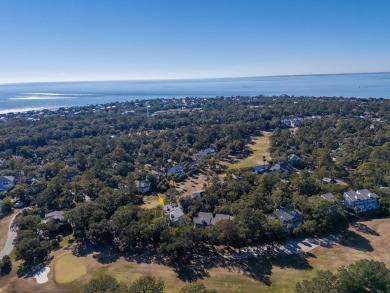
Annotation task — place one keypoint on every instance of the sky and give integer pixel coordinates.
(72, 40)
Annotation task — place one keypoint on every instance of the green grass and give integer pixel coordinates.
(260, 276)
(259, 146)
(69, 268)
(66, 241)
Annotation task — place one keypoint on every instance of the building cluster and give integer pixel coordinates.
(206, 219)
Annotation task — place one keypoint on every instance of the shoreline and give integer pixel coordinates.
(38, 110)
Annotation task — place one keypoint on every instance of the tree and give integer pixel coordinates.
(324, 282)
(6, 265)
(361, 276)
(196, 287)
(29, 247)
(147, 284)
(7, 205)
(364, 276)
(105, 284)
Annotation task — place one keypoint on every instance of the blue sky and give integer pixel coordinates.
(47, 40)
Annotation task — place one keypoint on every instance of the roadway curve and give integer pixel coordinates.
(9, 244)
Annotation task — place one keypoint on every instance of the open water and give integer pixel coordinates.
(35, 96)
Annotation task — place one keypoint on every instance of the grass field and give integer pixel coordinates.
(193, 183)
(368, 240)
(69, 268)
(259, 147)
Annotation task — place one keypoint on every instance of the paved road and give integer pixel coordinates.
(9, 244)
(293, 246)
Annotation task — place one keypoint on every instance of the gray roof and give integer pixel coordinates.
(293, 157)
(173, 211)
(177, 169)
(366, 193)
(327, 196)
(219, 217)
(5, 179)
(352, 195)
(362, 194)
(176, 214)
(56, 215)
(142, 183)
(283, 216)
(203, 219)
(283, 166)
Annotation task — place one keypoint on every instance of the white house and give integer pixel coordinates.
(361, 200)
(6, 182)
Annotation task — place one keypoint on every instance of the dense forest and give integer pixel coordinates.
(85, 161)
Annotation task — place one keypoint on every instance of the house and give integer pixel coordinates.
(261, 169)
(328, 196)
(220, 217)
(6, 182)
(198, 193)
(205, 219)
(18, 204)
(56, 215)
(292, 122)
(143, 186)
(294, 160)
(287, 217)
(173, 212)
(360, 200)
(203, 154)
(176, 170)
(283, 167)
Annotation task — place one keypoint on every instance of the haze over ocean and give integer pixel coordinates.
(35, 96)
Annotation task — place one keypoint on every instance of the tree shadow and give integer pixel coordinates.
(102, 254)
(364, 229)
(26, 270)
(294, 261)
(356, 241)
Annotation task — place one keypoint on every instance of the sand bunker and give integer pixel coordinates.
(41, 275)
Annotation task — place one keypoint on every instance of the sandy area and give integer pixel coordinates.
(41, 275)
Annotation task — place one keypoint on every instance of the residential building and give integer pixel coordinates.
(6, 182)
(56, 215)
(143, 186)
(220, 217)
(294, 160)
(205, 219)
(261, 169)
(176, 170)
(173, 212)
(203, 154)
(287, 217)
(283, 167)
(292, 122)
(361, 200)
(328, 196)
(198, 193)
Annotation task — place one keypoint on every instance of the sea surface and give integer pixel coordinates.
(51, 95)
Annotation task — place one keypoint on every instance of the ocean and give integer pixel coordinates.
(51, 95)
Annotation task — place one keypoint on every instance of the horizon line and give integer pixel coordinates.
(195, 78)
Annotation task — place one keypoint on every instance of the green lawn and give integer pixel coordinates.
(69, 268)
(260, 147)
